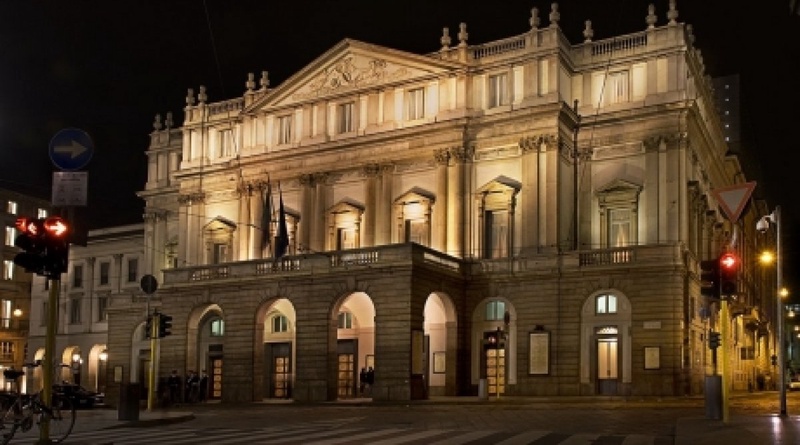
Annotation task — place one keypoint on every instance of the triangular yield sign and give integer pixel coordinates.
(732, 199)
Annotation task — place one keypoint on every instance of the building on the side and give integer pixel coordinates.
(15, 284)
(518, 217)
(105, 272)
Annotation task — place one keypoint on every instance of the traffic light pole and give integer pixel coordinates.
(724, 333)
(48, 364)
(151, 378)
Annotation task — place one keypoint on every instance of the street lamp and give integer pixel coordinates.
(763, 226)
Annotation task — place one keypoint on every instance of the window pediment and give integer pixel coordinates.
(619, 191)
(219, 225)
(416, 196)
(347, 206)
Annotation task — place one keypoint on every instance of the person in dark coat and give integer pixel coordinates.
(174, 385)
(203, 385)
(362, 379)
(370, 379)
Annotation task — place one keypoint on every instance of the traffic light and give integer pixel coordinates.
(164, 325)
(45, 242)
(57, 233)
(728, 270)
(31, 240)
(713, 339)
(709, 278)
(148, 326)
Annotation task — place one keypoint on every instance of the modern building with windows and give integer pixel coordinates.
(15, 282)
(521, 217)
(105, 272)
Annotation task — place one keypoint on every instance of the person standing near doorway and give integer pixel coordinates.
(174, 385)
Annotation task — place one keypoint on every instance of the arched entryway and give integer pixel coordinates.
(277, 320)
(494, 345)
(606, 343)
(355, 344)
(440, 345)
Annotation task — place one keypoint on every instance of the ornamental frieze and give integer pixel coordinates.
(533, 143)
(191, 198)
(351, 73)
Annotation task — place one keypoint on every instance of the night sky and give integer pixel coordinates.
(107, 67)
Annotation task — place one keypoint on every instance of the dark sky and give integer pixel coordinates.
(108, 67)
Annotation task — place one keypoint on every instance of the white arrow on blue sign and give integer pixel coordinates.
(71, 149)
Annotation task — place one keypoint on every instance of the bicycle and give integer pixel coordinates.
(20, 411)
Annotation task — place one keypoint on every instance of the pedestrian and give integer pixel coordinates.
(370, 379)
(203, 385)
(362, 379)
(192, 387)
(174, 385)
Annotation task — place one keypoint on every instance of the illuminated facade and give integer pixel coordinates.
(442, 224)
(15, 283)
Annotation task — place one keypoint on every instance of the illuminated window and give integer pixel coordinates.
(41, 213)
(285, 129)
(495, 310)
(618, 87)
(496, 238)
(217, 327)
(415, 99)
(498, 90)
(619, 227)
(225, 143)
(11, 235)
(8, 269)
(606, 304)
(345, 117)
(345, 320)
(11, 207)
(280, 323)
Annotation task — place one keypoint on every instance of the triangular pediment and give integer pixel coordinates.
(347, 205)
(501, 184)
(349, 67)
(414, 195)
(619, 186)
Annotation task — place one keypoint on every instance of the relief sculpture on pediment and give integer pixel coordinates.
(350, 73)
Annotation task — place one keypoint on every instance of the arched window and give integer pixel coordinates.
(280, 323)
(345, 320)
(606, 304)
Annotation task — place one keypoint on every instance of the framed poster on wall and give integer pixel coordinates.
(438, 362)
(539, 353)
(652, 357)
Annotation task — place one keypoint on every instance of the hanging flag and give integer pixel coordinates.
(266, 216)
(282, 238)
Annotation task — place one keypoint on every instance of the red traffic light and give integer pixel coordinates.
(56, 227)
(29, 226)
(729, 261)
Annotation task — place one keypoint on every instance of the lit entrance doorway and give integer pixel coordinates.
(279, 358)
(607, 360)
(495, 363)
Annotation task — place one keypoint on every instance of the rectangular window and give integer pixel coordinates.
(415, 100)
(133, 270)
(11, 235)
(105, 269)
(498, 90)
(77, 276)
(8, 269)
(285, 129)
(345, 320)
(11, 207)
(102, 308)
(619, 227)
(225, 143)
(618, 87)
(7, 351)
(217, 328)
(495, 310)
(345, 118)
(41, 213)
(75, 310)
(496, 234)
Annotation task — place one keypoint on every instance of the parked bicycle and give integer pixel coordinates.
(21, 411)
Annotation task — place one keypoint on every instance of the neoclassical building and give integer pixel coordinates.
(517, 217)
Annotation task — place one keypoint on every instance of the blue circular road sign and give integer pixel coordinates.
(71, 149)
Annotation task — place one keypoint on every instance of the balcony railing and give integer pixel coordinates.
(406, 254)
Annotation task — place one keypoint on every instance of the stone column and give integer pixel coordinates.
(457, 200)
(439, 242)
(370, 184)
(306, 212)
(383, 219)
(530, 146)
